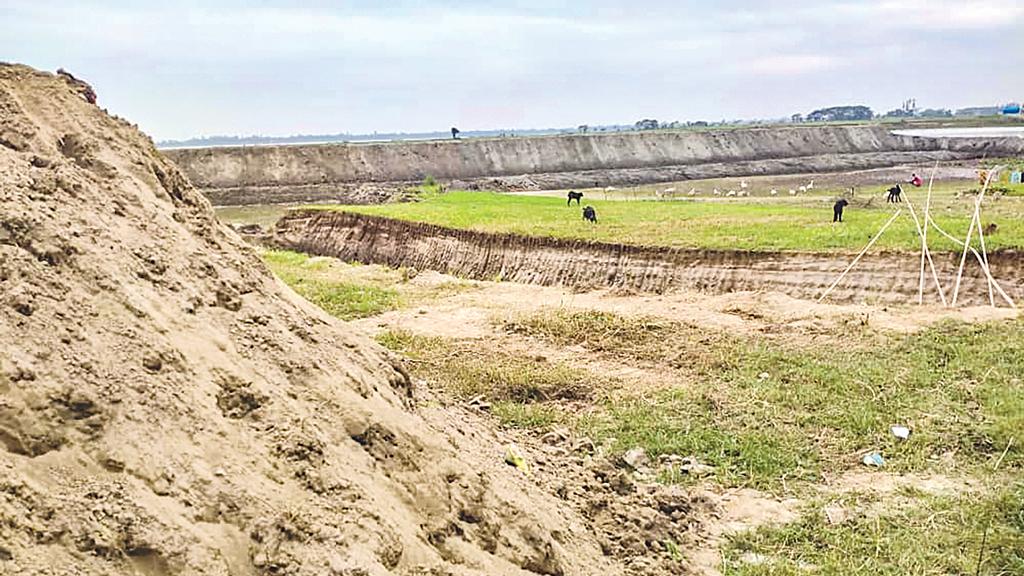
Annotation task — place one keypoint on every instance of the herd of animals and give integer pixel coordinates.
(894, 195)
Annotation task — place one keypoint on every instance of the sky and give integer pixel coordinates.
(239, 67)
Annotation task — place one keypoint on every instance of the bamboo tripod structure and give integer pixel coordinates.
(926, 256)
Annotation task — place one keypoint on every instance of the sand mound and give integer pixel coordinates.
(167, 407)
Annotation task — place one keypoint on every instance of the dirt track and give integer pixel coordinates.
(885, 277)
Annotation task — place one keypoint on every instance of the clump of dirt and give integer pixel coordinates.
(167, 406)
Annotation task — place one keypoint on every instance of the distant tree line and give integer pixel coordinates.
(841, 114)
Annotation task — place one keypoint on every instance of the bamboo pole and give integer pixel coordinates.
(981, 262)
(857, 259)
(970, 232)
(984, 255)
(926, 254)
(924, 237)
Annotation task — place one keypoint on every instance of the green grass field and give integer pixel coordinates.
(804, 223)
(313, 279)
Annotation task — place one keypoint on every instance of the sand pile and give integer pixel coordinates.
(167, 407)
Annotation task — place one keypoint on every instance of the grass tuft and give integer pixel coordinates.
(310, 278)
(925, 535)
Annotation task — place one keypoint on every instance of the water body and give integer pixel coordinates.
(990, 132)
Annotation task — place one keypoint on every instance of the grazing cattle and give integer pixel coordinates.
(837, 209)
(894, 194)
(589, 214)
(792, 192)
(773, 192)
(574, 195)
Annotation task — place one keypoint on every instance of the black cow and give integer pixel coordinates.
(837, 209)
(574, 195)
(589, 214)
(894, 194)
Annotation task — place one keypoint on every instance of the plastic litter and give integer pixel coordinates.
(901, 432)
(514, 457)
(874, 459)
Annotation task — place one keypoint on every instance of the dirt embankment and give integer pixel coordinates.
(363, 173)
(582, 264)
(168, 407)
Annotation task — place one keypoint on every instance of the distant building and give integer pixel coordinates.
(978, 111)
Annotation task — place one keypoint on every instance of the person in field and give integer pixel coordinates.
(916, 180)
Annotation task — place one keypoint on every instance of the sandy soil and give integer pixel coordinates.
(471, 312)
(168, 407)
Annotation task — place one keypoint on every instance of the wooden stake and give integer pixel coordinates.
(857, 259)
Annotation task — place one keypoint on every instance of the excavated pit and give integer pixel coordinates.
(585, 265)
(373, 173)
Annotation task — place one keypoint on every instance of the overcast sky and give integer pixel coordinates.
(184, 69)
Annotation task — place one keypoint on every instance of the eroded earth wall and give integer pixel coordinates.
(888, 277)
(367, 173)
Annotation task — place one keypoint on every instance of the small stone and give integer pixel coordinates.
(556, 436)
(692, 467)
(584, 445)
(153, 363)
(113, 464)
(635, 458)
(755, 559)
(836, 514)
(219, 472)
(764, 376)
(161, 486)
(622, 484)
